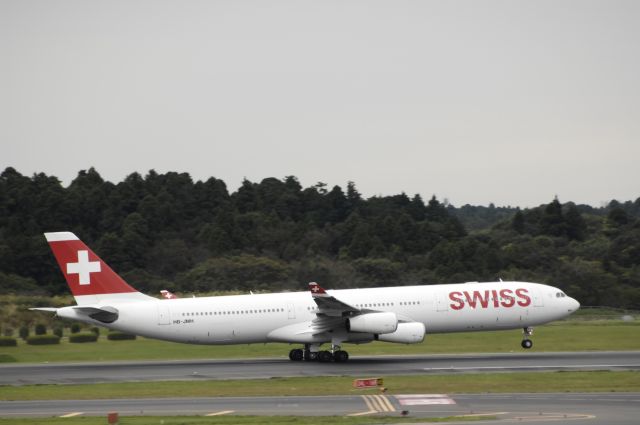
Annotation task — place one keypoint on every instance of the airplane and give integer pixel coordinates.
(311, 318)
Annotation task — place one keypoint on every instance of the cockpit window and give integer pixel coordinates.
(560, 295)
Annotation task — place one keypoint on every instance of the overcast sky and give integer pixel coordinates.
(510, 102)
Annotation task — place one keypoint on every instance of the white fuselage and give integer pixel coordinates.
(283, 317)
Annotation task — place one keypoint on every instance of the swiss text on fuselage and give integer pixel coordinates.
(489, 298)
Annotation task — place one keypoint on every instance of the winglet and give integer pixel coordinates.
(327, 303)
(317, 290)
(168, 295)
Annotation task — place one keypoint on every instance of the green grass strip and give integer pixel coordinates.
(604, 381)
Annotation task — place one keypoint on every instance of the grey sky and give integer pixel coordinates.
(510, 102)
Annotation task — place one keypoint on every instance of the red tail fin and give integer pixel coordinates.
(85, 272)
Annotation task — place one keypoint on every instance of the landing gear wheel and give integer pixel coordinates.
(296, 354)
(310, 356)
(526, 342)
(340, 356)
(325, 356)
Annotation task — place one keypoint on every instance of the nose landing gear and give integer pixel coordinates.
(526, 342)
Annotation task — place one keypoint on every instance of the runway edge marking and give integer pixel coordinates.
(220, 413)
(71, 415)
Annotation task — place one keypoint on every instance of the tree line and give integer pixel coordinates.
(166, 231)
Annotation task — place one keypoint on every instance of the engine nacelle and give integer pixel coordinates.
(407, 333)
(375, 323)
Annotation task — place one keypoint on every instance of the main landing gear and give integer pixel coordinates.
(335, 355)
(526, 342)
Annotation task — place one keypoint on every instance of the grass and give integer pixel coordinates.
(534, 382)
(238, 420)
(574, 335)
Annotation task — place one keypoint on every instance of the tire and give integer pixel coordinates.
(527, 344)
(340, 356)
(296, 355)
(325, 356)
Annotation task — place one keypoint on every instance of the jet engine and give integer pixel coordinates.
(375, 323)
(407, 333)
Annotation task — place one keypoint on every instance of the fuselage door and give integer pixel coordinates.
(538, 300)
(442, 301)
(164, 315)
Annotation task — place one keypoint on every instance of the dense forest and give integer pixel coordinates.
(165, 231)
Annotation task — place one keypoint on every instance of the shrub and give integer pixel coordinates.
(24, 332)
(58, 331)
(7, 341)
(41, 329)
(43, 339)
(96, 330)
(7, 332)
(83, 337)
(75, 328)
(119, 336)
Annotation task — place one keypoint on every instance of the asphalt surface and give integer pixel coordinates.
(88, 373)
(575, 408)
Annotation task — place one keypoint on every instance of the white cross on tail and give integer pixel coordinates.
(83, 268)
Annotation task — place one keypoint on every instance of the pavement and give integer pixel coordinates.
(88, 373)
(576, 408)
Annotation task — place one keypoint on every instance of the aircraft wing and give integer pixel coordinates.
(331, 311)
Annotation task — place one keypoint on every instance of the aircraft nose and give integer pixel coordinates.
(574, 305)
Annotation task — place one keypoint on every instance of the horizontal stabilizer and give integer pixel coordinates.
(50, 309)
(104, 314)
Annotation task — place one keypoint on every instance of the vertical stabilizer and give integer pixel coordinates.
(90, 279)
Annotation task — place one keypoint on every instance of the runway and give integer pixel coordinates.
(88, 373)
(589, 408)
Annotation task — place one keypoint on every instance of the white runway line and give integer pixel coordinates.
(71, 415)
(222, 412)
(588, 366)
(423, 399)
